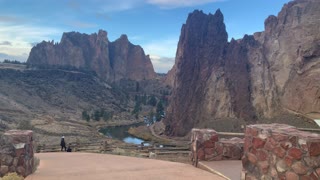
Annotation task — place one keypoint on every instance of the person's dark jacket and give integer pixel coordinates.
(62, 143)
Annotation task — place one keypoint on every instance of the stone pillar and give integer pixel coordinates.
(16, 152)
(205, 140)
(229, 149)
(210, 148)
(278, 151)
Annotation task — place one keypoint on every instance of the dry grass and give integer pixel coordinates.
(141, 132)
(12, 176)
(235, 125)
(290, 119)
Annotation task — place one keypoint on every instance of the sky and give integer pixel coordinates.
(155, 25)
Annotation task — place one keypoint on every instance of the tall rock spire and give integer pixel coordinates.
(265, 75)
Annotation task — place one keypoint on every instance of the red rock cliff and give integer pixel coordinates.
(110, 61)
(257, 76)
(130, 61)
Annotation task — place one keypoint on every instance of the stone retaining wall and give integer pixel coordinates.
(207, 145)
(16, 152)
(278, 151)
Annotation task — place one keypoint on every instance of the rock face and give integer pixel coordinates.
(129, 61)
(109, 60)
(258, 76)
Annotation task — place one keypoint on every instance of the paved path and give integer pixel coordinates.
(228, 168)
(84, 166)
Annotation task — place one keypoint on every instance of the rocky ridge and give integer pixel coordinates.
(259, 76)
(111, 61)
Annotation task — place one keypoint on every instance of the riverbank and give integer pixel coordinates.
(143, 132)
(115, 123)
(155, 133)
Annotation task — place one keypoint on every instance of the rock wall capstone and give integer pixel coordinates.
(278, 151)
(16, 152)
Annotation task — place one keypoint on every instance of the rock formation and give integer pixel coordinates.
(109, 60)
(261, 75)
(129, 60)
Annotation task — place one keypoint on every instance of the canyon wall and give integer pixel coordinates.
(111, 61)
(260, 75)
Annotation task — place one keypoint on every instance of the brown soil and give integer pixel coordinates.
(101, 166)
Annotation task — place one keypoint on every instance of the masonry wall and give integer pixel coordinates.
(16, 152)
(278, 151)
(207, 145)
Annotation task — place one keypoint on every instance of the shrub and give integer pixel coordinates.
(12, 176)
(25, 125)
(152, 101)
(96, 115)
(13, 62)
(159, 110)
(107, 116)
(85, 116)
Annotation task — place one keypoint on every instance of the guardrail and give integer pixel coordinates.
(102, 147)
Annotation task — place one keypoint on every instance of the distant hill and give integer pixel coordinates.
(53, 101)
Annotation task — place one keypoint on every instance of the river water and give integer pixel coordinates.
(121, 133)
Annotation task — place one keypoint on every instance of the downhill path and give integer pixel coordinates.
(84, 166)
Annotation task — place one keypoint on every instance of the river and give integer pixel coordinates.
(121, 133)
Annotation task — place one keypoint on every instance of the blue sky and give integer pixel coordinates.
(153, 24)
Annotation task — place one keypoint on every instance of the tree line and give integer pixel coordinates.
(152, 101)
(13, 61)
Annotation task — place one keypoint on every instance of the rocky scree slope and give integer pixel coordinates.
(29, 94)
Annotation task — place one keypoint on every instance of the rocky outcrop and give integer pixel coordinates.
(258, 76)
(109, 60)
(194, 67)
(129, 61)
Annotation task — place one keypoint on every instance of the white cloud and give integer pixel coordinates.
(122, 5)
(5, 43)
(21, 57)
(136, 37)
(10, 19)
(80, 24)
(164, 48)
(179, 3)
(162, 53)
(20, 37)
(162, 64)
(103, 6)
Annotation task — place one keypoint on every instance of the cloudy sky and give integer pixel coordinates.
(153, 24)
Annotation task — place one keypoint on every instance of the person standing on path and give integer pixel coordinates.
(63, 144)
